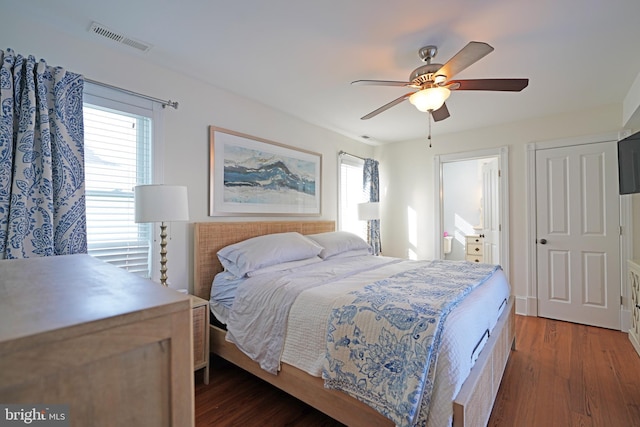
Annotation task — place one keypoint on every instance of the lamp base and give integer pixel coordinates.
(163, 254)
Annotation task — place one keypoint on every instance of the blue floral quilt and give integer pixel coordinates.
(383, 340)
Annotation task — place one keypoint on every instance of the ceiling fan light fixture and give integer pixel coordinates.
(430, 99)
(439, 79)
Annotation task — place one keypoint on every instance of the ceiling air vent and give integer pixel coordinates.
(103, 31)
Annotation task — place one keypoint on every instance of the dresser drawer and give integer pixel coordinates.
(474, 249)
(474, 239)
(474, 258)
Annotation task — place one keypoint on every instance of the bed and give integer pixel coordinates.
(471, 405)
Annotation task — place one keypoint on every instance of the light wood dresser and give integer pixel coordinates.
(114, 347)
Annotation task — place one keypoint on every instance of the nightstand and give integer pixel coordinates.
(200, 316)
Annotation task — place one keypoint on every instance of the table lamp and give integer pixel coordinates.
(368, 211)
(161, 203)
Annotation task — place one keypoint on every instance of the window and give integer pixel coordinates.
(119, 146)
(351, 194)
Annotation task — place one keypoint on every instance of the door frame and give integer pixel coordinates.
(529, 305)
(502, 153)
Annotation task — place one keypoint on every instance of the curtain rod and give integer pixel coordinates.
(341, 153)
(170, 103)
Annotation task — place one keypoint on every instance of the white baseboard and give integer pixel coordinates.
(625, 320)
(527, 306)
(521, 305)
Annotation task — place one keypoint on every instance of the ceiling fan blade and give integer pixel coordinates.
(507, 85)
(387, 106)
(441, 113)
(471, 53)
(381, 83)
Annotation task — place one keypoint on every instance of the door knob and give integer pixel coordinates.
(543, 241)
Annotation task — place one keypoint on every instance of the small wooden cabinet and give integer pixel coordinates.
(474, 248)
(200, 316)
(634, 285)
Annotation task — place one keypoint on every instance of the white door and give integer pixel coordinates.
(491, 210)
(578, 232)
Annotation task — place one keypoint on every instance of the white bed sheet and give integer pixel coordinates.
(220, 310)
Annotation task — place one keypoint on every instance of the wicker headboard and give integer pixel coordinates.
(210, 237)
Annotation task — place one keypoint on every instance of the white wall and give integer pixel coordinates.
(186, 129)
(406, 181)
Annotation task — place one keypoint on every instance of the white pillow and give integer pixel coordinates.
(284, 266)
(354, 252)
(263, 251)
(337, 242)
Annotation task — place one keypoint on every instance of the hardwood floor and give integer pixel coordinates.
(237, 398)
(561, 374)
(564, 374)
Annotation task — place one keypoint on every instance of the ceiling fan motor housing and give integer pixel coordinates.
(425, 76)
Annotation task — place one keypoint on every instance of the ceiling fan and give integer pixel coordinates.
(434, 85)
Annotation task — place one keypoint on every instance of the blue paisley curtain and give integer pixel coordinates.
(371, 189)
(42, 197)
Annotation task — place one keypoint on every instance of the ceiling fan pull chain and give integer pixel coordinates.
(429, 137)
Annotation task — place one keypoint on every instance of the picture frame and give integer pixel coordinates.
(254, 176)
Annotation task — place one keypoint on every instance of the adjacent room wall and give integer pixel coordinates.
(186, 129)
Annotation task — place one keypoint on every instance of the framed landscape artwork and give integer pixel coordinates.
(253, 176)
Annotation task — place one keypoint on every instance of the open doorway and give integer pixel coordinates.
(472, 206)
(463, 208)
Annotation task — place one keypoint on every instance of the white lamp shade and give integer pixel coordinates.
(157, 203)
(430, 99)
(368, 211)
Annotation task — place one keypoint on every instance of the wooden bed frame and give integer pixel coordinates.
(472, 405)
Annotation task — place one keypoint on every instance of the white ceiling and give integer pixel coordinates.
(300, 56)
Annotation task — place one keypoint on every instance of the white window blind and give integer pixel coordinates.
(351, 194)
(117, 158)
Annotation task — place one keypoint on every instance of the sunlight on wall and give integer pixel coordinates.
(412, 233)
(463, 228)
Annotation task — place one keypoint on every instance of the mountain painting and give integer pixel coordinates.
(262, 178)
